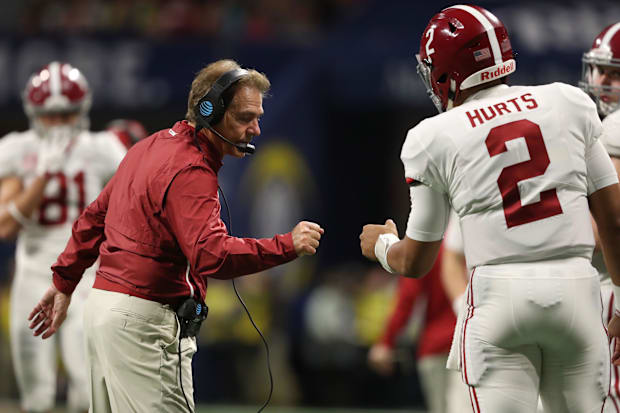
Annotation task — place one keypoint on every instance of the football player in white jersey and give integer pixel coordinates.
(523, 168)
(601, 79)
(48, 175)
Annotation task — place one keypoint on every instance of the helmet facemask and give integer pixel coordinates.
(424, 69)
(63, 130)
(607, 97)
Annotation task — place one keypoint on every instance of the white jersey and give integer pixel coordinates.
(91, 162)
(513, 164)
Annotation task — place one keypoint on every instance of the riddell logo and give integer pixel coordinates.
(500, 71)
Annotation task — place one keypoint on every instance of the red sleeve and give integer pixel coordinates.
(408, 290)
(193, 211)
(82, 249)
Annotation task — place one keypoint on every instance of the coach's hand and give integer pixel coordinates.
(369, 235)
(49, 313)
(306, 237)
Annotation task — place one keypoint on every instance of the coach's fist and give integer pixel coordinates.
(306, 237)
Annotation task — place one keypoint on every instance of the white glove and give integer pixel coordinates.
(52, 150)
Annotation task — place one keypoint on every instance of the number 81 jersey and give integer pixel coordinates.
(512, 161)
(91, 160)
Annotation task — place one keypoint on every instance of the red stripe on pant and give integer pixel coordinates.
(613, 369)
(473, 397)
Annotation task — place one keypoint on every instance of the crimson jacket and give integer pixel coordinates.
(158, 213)
(439, 319)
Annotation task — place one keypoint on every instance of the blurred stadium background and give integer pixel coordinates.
(345, 91)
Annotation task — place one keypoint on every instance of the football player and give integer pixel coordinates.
(601, 79)
(48, 175)
(520, 165)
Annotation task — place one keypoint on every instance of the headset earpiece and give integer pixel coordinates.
(211, 107)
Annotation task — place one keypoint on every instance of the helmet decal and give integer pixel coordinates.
(497, 54)
(609, 35)
(430, 50)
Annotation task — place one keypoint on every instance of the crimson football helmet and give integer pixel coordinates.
(57, 88)
(129, 131)
(600, 74)
(463, 46)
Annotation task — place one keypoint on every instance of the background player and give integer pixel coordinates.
(601, 79)
(519, 165)
(49, 174)
(129, 131)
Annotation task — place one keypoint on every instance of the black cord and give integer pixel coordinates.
(245, 307)
(250, 315)
(180, 376)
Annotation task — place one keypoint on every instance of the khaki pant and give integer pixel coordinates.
(132, 354)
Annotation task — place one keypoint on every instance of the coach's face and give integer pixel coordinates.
(241, 120)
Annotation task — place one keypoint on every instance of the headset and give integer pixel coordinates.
(211, 107)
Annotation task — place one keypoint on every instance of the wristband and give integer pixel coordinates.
(17, 214)
(382, 246)
(616, 290)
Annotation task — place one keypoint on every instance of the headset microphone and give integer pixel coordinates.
(243, 147)
(211, 107)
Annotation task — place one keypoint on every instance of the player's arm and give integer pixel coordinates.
(454, 276)
(415, 254)
(597, 243)
(17, 205)
(604, 199)
(381, 354)
(605, 208)
(604, 202)
(413, 258)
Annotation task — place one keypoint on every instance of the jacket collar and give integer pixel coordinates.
(211, 154)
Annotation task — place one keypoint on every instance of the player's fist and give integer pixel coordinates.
(369, 235)
(381, 359)
(306, 237)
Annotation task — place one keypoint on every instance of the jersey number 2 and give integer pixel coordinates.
(514, 211)
(61, 199)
